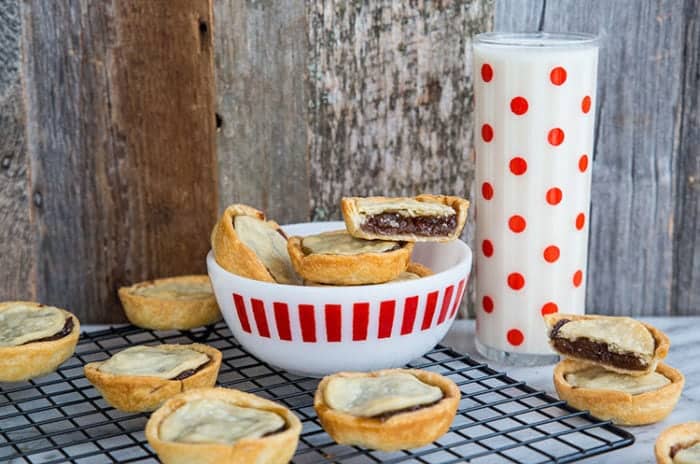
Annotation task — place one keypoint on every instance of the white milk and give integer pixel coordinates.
(529, 91)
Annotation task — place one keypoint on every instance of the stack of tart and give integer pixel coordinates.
(374, 248)
(613, 368)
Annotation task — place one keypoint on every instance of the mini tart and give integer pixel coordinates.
(136, 393)
(256, 249)
(348, 261)
(395, 430)
(425, 218)
(276, 448)
(413, 271)
(620, 344)
(674, 439)
(619, 406)
(41, 356)
(175, 303)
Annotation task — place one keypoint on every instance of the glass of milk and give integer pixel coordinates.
(535, 99)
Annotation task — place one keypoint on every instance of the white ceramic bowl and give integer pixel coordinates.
(315, 331)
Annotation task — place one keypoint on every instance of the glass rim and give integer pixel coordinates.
(537, 39)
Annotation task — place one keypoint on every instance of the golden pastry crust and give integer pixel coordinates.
(131, 393)
(359, 269)
(414, 268)
(661, 340)
(405, 430)
(277, 448)
(35, 359)
(157, 313)
(231, 253)
(353, 219)
(620, 407)
(685, 434)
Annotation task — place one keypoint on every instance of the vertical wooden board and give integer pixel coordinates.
(120, 133)
(260, 67)
(635, 167)
(390, 99)
(16, 235)
(519, 15)
(686, 282)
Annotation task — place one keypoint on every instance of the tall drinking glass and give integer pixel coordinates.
(535, 106)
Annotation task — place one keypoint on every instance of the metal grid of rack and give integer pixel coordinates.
(62, 418)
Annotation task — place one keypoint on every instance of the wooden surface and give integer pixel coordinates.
(114, 180)
(644, 255)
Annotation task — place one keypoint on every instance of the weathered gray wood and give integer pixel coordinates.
(120, 136)
(637, 168)
(16, 234)
(686, 281)
(261, 66)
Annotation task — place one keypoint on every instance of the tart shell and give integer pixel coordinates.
(620, 407)
(155, 313)
(681, 434)
(231, 253)
(353, 219)
(415, 268)
(662, 343)
(405, 430)
(131, 393)
(35, 359)
(360, 269)
(277, 448)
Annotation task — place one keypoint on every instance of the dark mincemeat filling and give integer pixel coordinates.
(394, 223)
(67, 329)
(595, 351)
(189, 372)
(676, 448)
(279, 430)
(389, 414)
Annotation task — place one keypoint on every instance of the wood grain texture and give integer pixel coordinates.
(686, 252)
(120, 135)
(16, 234)
(261, 66)
(644, 226)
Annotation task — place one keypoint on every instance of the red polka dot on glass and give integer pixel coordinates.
(580, 221)
(518, 166)
(515, 337)
(549, 308)
(516, 281)
(518, 105)
(586, 104)
(557, 75)
(487, 133)
(555, 137)
(487, 190)
(517, 223)
(487, 248)
(554, 196)
(551, 253)
(578, 278)
(486, 72)
(583, 163)
(487, 304)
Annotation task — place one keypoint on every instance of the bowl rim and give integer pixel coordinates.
(466, 260)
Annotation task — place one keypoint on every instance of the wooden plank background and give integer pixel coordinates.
(644, 255)
(109, 173)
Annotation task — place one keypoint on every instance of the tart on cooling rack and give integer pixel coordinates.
(413, 271)
(425, 218)
(34, 339)
(624, 399)
(619, 344)
(337, 258)
(222, 426)
(248, 245)
(175, 303)
(386, 410)
(141, 378)
(679, 444)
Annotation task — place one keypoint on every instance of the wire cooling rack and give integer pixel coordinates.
(62, 418)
